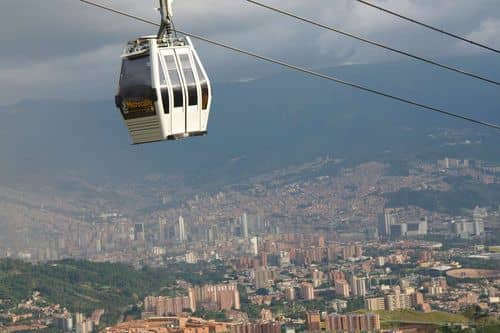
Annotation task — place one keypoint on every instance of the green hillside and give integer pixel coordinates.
(83, 286)
(407, 316)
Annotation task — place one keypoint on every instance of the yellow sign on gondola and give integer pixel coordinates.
(146, 105)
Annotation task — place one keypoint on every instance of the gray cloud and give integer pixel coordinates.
(487, 32)
(65, 49)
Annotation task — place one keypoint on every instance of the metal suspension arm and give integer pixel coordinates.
(166, 29)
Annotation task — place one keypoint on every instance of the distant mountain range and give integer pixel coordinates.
(260, 125)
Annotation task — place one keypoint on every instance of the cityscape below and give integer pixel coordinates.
(316, 247)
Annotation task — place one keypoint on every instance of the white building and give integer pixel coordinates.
(182, 230)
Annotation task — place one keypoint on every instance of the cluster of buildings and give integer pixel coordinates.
(390, 225)
(163, 306)
(397, 300)
(186, 324)
(453, 163)
(216, 297)
(29, 315)
(84, 324)
(349, 204)
(466, 228)
(355, 322)
(369, 322)
(321, 269)
(350, 323)
(78, 323)
(258, 327)
(173, 324)
(352, 287)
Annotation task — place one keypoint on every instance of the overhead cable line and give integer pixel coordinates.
(371, 42)
(425, 25)
(305, 70)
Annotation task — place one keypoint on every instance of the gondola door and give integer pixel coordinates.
(177, 103)
(206, 92)
(191, 90)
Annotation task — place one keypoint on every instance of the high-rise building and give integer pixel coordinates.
(284, 258)
(399, 230)
(260, 327)
(369, 322)
(219, 296)
(389, 218)
(244, 226)
(317, 277)
(263, 259)
(352, 251)
(211, 234)
(191, 257)
(397, 301)
(139, 234)
(290, 293)
(380, 261)
(79, 318)
(392, 302)
(98, 244)
(313, 321)
(64, 322)
(358, 251)
(405, 301)
(178, 324)
(332, 252)
(375, 303)
(418, 228)
(435, 290)
(165, 306)
(307, 291)
(358, 286)
(465, 228)
(266, 315)
(336, 276)
(342, 288)
(320, 241)
(182, 230)
(264, 278)
(254, 246)
(83, 325)
(478, 227)
(162, 230)
(462, 228)
(478, 216)
(417, 299)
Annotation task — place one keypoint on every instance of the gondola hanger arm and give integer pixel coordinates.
(166, 9)
(166, 12)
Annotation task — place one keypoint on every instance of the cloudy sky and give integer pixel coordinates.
(64, 49)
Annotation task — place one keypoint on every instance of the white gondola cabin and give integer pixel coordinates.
(164, 92)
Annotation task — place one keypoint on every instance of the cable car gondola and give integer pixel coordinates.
(164, 92)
